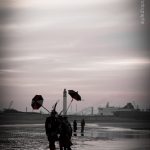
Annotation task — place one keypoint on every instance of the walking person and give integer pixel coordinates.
(65, 134)
(75, 127)
(51, 128)
(82, 126)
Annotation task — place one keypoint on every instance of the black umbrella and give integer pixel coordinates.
(37, 101)
(74, 95)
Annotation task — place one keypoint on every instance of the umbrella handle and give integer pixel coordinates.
(69, 105)
(67, 108)
(45, 109)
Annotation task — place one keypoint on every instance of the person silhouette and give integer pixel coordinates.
(75, 127)
(65, 134)
(82, 127)
(51, 128)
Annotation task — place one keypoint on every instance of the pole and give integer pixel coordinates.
(45, 109)
(76, 108)
(67, 108)
(64, 102)
(69, 105)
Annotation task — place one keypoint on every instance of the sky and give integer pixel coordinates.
(98, 48)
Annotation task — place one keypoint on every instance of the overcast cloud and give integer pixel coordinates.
(91, 46)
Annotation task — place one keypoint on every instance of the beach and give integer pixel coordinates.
(97, 136)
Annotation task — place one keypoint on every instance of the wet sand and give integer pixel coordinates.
(96, 137)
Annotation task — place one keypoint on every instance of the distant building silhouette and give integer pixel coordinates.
(128, 106)
(109, 110)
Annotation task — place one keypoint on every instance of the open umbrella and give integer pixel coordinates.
(74, 95)
(37, 101)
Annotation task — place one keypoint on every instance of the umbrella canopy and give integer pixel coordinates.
(74, 95)
(37, 101)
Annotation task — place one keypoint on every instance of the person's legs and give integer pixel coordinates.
(52, 145)
(60, 145)
(82, 129)
(61, 148)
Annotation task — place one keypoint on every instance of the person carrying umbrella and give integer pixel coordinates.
(65, 134)
(51, 128)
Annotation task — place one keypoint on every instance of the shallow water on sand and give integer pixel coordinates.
(96, 137)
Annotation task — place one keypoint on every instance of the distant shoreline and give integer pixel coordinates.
(37, 118)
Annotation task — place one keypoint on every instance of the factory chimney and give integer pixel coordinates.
(65, 102)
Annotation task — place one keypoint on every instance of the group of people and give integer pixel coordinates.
(58, 128)
(75, 126)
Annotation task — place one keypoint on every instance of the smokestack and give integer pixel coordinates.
(92, 109)
(65, 102)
